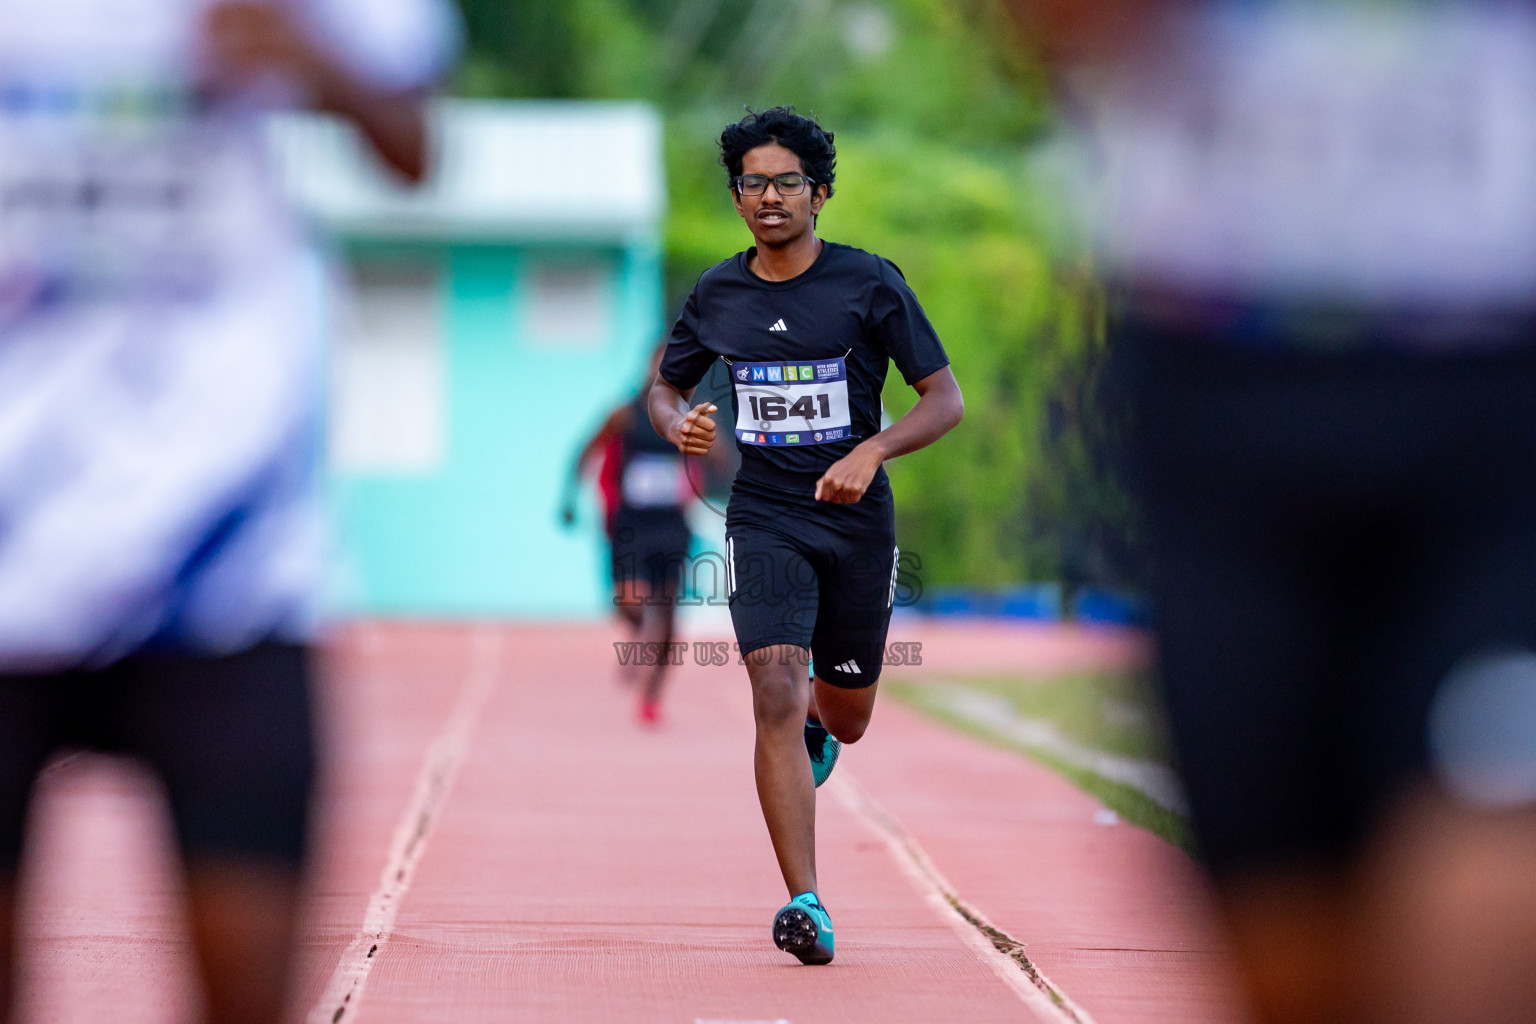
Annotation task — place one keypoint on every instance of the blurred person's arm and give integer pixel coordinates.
(617, 421)
(1075, 32)
(247, 40)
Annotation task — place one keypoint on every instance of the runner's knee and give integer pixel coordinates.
(778, 704)
(846, 730)
(779, 695)
(844, 712)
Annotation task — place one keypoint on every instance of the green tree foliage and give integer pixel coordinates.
(936, 115)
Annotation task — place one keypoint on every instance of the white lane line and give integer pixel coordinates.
(1157, 782)
(343, 996)
(1003, 953)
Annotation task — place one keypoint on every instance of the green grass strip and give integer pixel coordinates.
(1112, 714)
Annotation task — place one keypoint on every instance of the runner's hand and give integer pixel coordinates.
(695, 434)
(846, 480)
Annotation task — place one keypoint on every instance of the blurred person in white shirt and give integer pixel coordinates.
(161, 322)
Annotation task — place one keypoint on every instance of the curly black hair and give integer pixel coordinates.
(800, 135)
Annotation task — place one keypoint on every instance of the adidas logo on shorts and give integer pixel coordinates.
(851, 667)
(779, 326)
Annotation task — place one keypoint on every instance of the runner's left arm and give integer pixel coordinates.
(939, 408)
(904, 332)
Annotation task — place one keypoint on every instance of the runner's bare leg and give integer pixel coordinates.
(780, 697)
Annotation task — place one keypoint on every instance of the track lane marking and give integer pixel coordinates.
(1153, 780)
(996, 948)
(1003, 953)
(343, 995)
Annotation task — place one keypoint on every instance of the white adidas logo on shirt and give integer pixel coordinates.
(779, 326)
(851, 667)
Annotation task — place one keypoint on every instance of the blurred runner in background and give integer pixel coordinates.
(161, 320)
(1321, 219)
(646, 487)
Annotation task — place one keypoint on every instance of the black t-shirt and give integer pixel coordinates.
(844, 320)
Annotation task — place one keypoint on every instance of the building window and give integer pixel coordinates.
(388, 376)
(568, 305)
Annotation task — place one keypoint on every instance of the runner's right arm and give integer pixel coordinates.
(691, 430)
(686, 359)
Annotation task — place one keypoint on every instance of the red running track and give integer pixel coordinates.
(514, 848)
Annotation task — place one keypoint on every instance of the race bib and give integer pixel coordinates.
(654, 481)
(792, 403)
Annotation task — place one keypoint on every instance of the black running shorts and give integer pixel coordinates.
(650, 546)
(231, 738)
(813, 575)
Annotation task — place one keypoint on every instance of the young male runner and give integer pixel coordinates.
(808, 329)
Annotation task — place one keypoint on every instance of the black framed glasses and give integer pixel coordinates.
(784, 184)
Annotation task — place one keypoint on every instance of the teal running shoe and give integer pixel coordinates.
(804, 929)
(823, 748)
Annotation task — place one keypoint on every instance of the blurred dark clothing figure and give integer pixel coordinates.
(1320, 223)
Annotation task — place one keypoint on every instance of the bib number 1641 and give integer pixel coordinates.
(772, 408)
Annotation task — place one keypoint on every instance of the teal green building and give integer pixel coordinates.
(494, 315)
